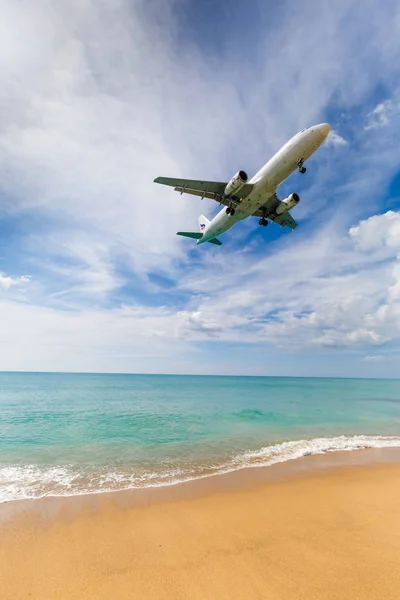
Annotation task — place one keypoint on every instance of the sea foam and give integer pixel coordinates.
(19, 482)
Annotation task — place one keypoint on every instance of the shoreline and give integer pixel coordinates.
(270, 456)
(244, 478)
(319, 531)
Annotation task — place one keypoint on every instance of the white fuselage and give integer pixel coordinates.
(265, 183)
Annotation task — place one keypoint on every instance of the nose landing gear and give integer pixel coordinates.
(300, 166)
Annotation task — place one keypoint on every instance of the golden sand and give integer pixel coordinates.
(331, 535)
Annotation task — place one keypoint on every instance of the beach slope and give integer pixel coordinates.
(326, 535)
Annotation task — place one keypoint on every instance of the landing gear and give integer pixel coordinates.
(300, 166)
(230, 210)
(263, 221)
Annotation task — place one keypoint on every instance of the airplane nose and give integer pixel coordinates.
(324, 129)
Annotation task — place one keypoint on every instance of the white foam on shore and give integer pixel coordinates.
(32, 481)
(297, 449)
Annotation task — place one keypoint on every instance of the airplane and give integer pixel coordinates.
(242, 198)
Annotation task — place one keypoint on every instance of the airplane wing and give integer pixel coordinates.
(204, 189)
(286, 220)
(270, 206)
(214, 190)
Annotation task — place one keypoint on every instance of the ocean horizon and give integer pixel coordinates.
(65, 434)
(122, 373)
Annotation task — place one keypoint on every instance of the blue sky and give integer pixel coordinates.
(99, 98)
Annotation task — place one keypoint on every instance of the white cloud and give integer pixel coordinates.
(335, 139)
(378, 231)
(332, 291)
(87, 340)
(310, 305)
(6, 282)
(83, 261)
(97, 115)
(382, 114)
(105, 100)
(394, 290)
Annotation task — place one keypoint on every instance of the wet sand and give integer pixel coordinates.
(305, 533)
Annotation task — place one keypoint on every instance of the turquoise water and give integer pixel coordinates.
(64, 434)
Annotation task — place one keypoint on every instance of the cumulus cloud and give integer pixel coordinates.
(106, 99)
(332, 291)
(378, 231)
(355, 309)
(6, 282)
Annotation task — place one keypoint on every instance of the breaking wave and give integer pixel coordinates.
(19, 482)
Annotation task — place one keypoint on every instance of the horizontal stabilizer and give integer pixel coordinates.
(197, 236)
(192, 234)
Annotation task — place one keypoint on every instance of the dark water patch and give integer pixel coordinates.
(254, 414)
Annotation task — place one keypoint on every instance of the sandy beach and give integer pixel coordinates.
(331, 534)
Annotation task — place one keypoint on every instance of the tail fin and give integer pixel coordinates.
(203, 222)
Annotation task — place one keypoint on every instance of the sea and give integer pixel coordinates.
(68, 434)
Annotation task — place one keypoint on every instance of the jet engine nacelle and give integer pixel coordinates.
(288, 203)
(236, 184)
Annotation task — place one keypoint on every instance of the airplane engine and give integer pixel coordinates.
(235, 184)
(288, 203)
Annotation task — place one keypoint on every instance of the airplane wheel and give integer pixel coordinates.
(228, 211)
(232, 211)
(303, 170)
(265, 223)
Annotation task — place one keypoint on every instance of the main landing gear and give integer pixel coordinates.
(230, 210)
(263, 221)
(300, 166)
